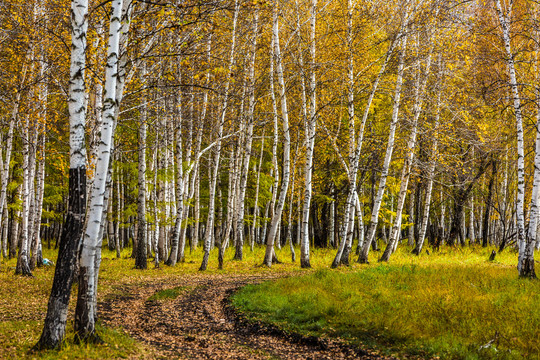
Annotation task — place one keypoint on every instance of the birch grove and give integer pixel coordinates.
(232, 130)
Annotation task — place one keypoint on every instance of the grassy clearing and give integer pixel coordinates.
(23, 301)
(446, 304)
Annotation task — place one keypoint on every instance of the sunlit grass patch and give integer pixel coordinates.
(23, 301)
(449, 304)
(18, 338)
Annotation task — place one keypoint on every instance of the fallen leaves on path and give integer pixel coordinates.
(200, 323)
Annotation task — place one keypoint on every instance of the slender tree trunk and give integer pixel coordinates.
(223, 114)
(310, 126)
(141, 257)
(37, 257)
(249, 139)
(276, 218)
(179, 186)
(23, 265)
(353, 168)
(256, 210)
(84, 324)
(526, 253)
(430, 175)
(420, 89)
(363, 258)
(4, 215)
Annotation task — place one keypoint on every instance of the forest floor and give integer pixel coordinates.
(181, 313)
(192, 318)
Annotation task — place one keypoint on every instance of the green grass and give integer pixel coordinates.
(18, 337)
(23, 301)
(447, 304)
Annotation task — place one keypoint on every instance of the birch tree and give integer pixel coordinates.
(363, 257)
(141, 257)
(346, 228)
(276, 218)
(525, 245)
(221, 119)
(84, 313)
(248, 142)
(310, 142)
(420, 88)
(431, 169)
(55, 320)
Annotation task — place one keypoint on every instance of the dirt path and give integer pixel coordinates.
(200, 324)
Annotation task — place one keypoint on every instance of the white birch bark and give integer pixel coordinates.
(255, 229)
(275, 168)
(55, 320)
(419, 92)
(412, 219)
(84, 313)
(430, 175)
(249, 139)
(310, 130)
(276, 218)
(141, 256)
(291, 202)
(158, 255)
(37, 257)
(195, 185)
(363, 258)
(222, 116)
(23, 265)
(179, 185)
(532, 239)
(5, 174)
(353, 168)
(526, 247)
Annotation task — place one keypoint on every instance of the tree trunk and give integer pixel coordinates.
(141, 257)
(84, 324)
(55, 320)
(223, 114)
(353, 168)
(420, 88)
(430, 174)
(363, 258)
(310, 125)
(526, 257)
(276, 218)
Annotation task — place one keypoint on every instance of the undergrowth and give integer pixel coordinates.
(453, 304)
(23, 301)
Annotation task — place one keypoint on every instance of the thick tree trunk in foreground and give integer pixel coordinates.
(55, 320)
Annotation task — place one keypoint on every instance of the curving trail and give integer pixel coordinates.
(200, 324)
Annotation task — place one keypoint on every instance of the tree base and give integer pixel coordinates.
(362, 259)
(527, 269)
(92, 338)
